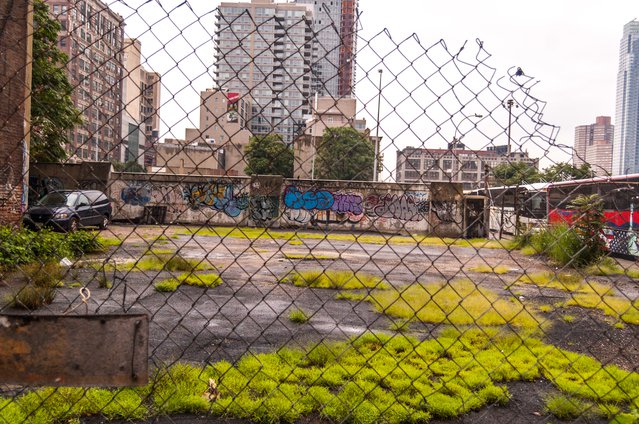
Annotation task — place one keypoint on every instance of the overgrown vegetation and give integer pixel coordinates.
(579, 244)
(40, 283)
(459, 302)
(22, 246)
(344, 280)
(373, 378)
(588, 294)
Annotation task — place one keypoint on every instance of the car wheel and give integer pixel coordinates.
(104, 223)
(73, 225)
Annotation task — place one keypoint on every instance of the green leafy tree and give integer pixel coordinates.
(563, 171)
(268, 155)
(130, 166)
(52, 110)
(516, 173)
(345, 154)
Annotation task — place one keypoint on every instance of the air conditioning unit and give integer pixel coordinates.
(210, 141)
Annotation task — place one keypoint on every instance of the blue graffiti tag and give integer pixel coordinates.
(217, 196)
(308, 200)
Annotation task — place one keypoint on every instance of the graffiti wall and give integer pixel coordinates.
(271, 201)
(186, 200)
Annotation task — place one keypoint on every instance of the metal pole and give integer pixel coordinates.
(510, 118)
(379, 103)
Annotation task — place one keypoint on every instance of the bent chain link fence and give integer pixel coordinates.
(310, 231)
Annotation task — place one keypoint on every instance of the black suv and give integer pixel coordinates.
(67, 210)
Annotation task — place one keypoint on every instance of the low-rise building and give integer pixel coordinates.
(457, 164)
(217, 146)
(327, 112)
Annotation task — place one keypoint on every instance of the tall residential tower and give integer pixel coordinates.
(263, 52)
(625, 153)
(92, 37)
(334, 47)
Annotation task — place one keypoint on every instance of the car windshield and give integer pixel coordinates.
(59, 199)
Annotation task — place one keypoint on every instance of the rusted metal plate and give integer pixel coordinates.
(96, 350)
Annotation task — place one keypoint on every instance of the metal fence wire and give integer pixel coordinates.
(296, 223)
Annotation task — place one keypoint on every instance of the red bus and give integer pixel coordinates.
(621, 207)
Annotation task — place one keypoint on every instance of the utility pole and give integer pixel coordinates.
(379, 102)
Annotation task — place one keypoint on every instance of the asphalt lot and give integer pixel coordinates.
(249, 311)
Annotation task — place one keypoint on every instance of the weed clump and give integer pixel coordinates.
(343, 280)
(189, 279)
(298, 316)
(40, 288)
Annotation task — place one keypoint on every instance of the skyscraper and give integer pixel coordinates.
(334, 46)
(263, 51)
(593, 145)
(625, 153)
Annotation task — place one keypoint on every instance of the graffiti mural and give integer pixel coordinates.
(307, 200)
(136, 195)
(38, 186)
(322, 206)
(402, 207)
(216, 195)
(446, 211)
(263, 209)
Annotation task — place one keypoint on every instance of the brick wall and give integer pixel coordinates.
(15, 77)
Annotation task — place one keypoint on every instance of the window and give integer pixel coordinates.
(413, 164)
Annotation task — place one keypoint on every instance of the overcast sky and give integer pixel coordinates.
(570, 46)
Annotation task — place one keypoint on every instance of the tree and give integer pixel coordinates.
(268, 155)
(52, 110)
(130, 166)
(563, 171)
(588, 224)
(516, 173)
(345, 154)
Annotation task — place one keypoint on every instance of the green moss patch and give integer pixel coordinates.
(189, 279)
(344, 280)
(293, 237)
(459, 302)
(372, 378)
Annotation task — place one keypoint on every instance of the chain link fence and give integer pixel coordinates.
(296, 223)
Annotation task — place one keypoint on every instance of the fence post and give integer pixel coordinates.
(16, 31)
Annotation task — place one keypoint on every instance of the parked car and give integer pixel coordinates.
(68, 210)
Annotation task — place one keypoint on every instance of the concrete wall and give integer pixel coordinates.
(275, 202)
(46, 177)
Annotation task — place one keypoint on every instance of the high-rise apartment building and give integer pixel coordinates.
(625, 152)
(264, 52)
(92, 36)
(141, 98)
(334, 46)
(593, 145)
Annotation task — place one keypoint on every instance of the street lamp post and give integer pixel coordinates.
(379, 102)
(509, 105)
